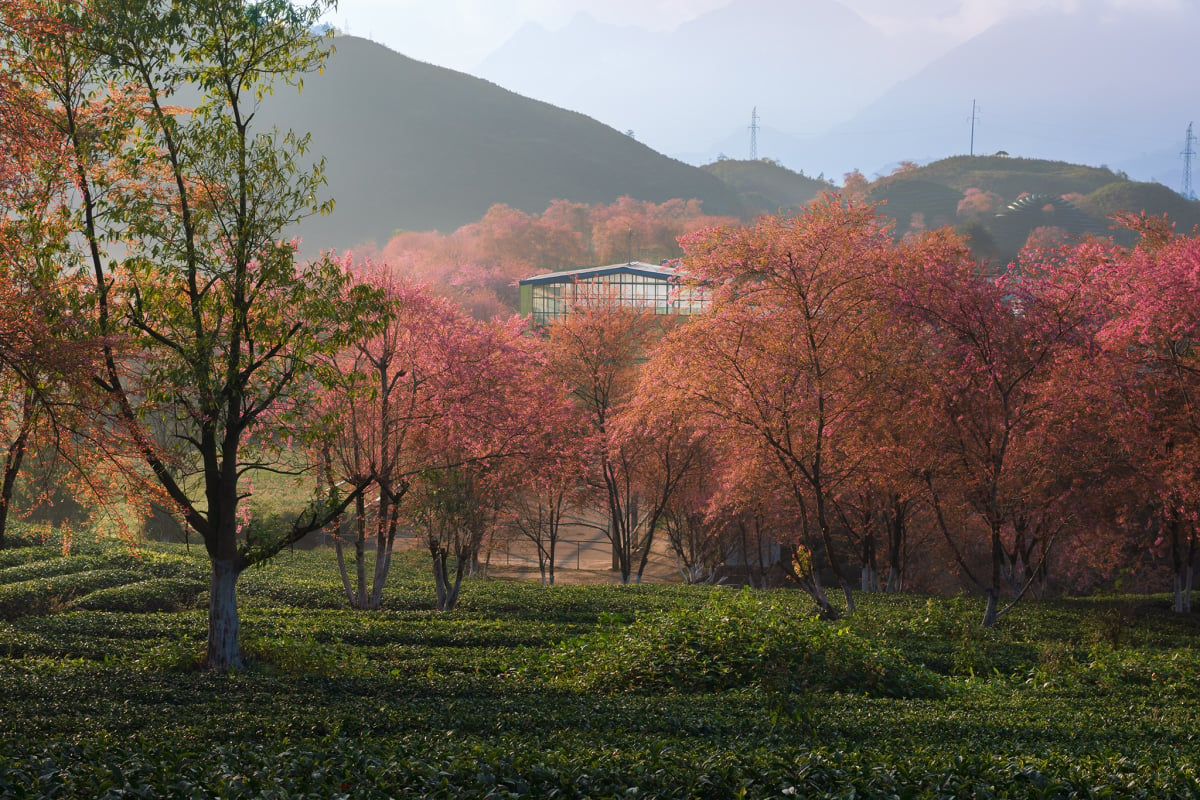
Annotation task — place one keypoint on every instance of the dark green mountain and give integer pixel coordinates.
(411, 146)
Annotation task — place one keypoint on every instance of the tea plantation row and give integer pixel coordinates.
(573, 691)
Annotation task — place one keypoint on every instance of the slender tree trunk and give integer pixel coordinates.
(870, 573)
(628, 537)
(615, 513)
(746, 554)
(12, 462)
(830, 552)
(447, 593)
(848, 592)
(360, 552)
(1183, 559)
(452, 595)
(224, 652)
(383, 565)
(896, 533)
(543, 553)
(341, 562)
(647, 543)
(870, 579)
(812, 584)
(384, 543)
(439, 577)
(356, 591)
(1187, 589)
(12, 466)
(990, 614)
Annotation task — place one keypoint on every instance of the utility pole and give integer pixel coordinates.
(974, 117)
(1188, 152)
(754, 134)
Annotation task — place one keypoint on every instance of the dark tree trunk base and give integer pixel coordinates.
(224, 653)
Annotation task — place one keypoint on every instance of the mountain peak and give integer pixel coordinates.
(413, 146)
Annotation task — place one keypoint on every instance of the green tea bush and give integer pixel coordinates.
(48, 595)
(734, 640)
(48, 568)
(425, 766)
(575, 603)
(1104, 670)
(154, 594)
(18, 643)
(102, 635)
(301, 579)
(13, 555)
(154, 563)
(304, 655)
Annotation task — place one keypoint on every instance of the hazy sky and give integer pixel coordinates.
(460, 33)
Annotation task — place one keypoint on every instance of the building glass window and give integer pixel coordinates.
(637, 285)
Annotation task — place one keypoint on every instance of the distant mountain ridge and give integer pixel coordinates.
(416, 147)
(411, 146)
(1093, 81)
(693, 83)
(1088, 88)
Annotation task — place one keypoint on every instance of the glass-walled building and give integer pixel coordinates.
(636, 284)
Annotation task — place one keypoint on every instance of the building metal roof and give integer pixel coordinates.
(663, 271)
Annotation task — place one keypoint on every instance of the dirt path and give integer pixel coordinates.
(577, 561)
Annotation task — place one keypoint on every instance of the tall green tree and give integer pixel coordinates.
(184, 211)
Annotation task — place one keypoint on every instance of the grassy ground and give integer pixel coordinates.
(658, 691)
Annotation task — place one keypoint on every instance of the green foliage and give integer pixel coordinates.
(1008, 177)
(299, 578)
(154, 594)
(16, 643)
(48, 595)
(47, 568)
(1153, 198)
(1062, 699)
(158, 563)
(113, 580)
(12, 556)
(931, 193)
(303, 654)
(1103, 671)
(735, 640)
(764, 187)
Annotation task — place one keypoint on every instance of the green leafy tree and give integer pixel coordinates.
(223, 328)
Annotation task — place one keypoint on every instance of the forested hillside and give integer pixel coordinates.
(997, 201)
(766, 187)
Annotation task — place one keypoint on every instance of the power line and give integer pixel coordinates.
(1187, 154)
(754, 134)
